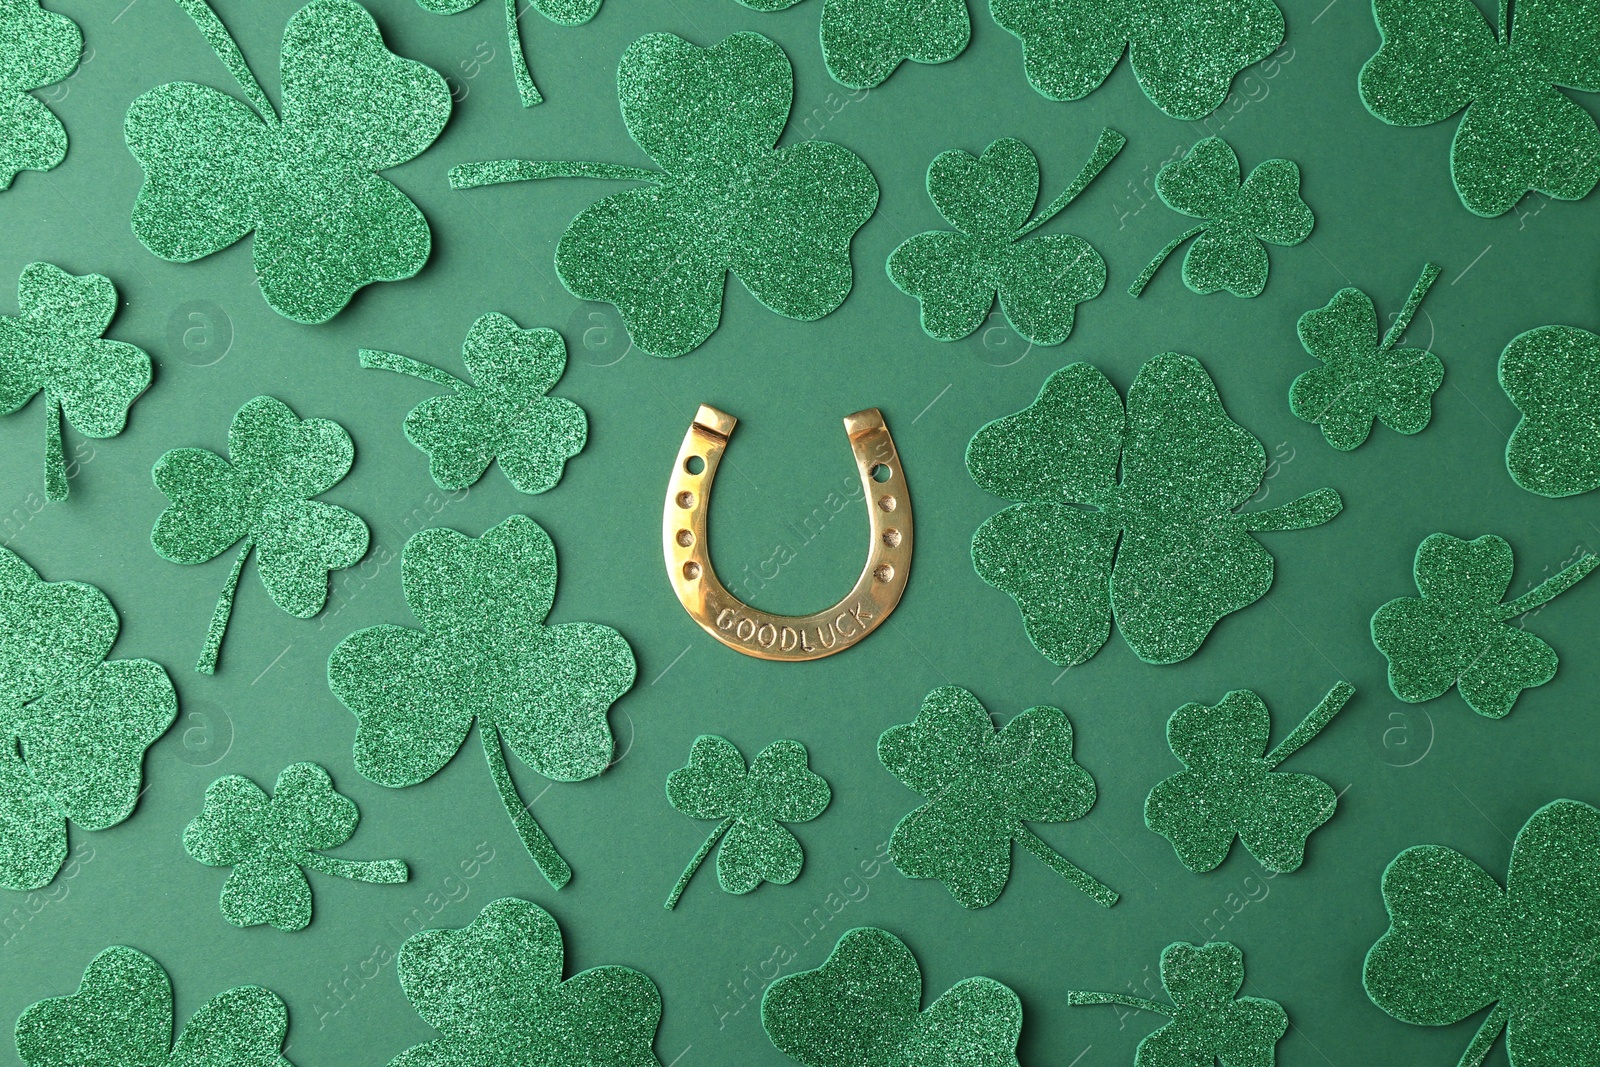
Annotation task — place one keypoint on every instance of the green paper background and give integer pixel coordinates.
(1408, 774)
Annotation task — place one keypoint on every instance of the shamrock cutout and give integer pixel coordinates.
(1456, 633)
(55, 346)
(957, 276)
(122, 1014)
(864, 1006)
(778, 787)
(1162, 549)
(484, 653)
(1240, 218)
(1552, 375)
(1230, 785)
(561, 12)
(77, 724)
(1208, 1020)
(865, 41)
(1457, 942)
(307, 183)
(726, 198)
(494, 992)
(37, 48)
(1520, 133)
(1362, 377)
(1185, 53)
(261, 495)
(980, 786)
(504, 415)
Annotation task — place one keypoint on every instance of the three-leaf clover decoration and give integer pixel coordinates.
(956, 276)
(725, 199)
(864, 1006)
(56, 346)
(494, 992)
(76, 724)
(1207, 1021)
(1458, 633)
(1185, 53)
(1457, 942)
(37, 48)
(1240, 218)
(1364, 376)
(1520, 133)
(261, 495)
(122, 1014)
(562, 12)
(751, 805)
(502, 413)
(981, 786)
(1230, 786)
(1162, 548)
(865, 41)
(306, 182)
(267, 840)
(484, 653)
(1552, 375)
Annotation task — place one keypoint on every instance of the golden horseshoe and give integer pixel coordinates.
(787, 637)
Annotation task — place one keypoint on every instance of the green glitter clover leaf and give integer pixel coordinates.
(1230, 786)
(1185, 53)
(1364, 377)
(863, 1008)
(1520, 133)
(1240, 218)
(1552, 375)
(726, 198)
(37, 48)
(956, 277)
(266, 840)
(1163, 549)
(751, 804)
(494, 992)
(56, 346)
(561, 12)
(76, 724)
(261, 495)
(307, 183)
(1207, 1021)
(122, 1015)
(484, 653)
(981, 785)
(502, 414)
(1457, 942)
(1458, 634)
(865, 41)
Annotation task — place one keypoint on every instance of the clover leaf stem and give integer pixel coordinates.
(1313, 724)
(1098, 892)
(699, 858)
(1161, 257)
(1084, 998)
(1550, 588)
(219, 618)
(500, 171)
(534, 839)
(1487, 1034)
(381, 872)
(1430, 274)
(1111, 143)
(519, 63)
(227, 50)
(1301, 513)
(55, 460)
(373, 359)
(1505, 21)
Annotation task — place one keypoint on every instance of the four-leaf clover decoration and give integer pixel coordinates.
(1208, 1021)
(1520, 132)
(752, 804)
(37, 48)
(981, 786)
(307, 183)
(122, 1014)
(502, 414)
(957, 276)
(484, 653)
(865, 41)
(261, 495)
(56, 346)
(1230, 786)
(726, 198)
(266, 840)
(1458, 634)
(494, 992)
(76, 724)
(561, 12)
(1552, 375)
(1161, 549)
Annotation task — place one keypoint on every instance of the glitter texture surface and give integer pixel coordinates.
(563, 12)
(1552, 375)
(1162, 549)
(307, 183)
(502, 413)
(1185, 53)
(863, 1008)
(1458, 633)
(37, 48)
(494, 992)
(864, 41)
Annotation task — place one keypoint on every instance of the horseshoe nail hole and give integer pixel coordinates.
(881, 472)
(686, 500)
(685, 538)
(891, 538)
(883, 572)
(887, 503)
(694, 464)
(691, 570)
